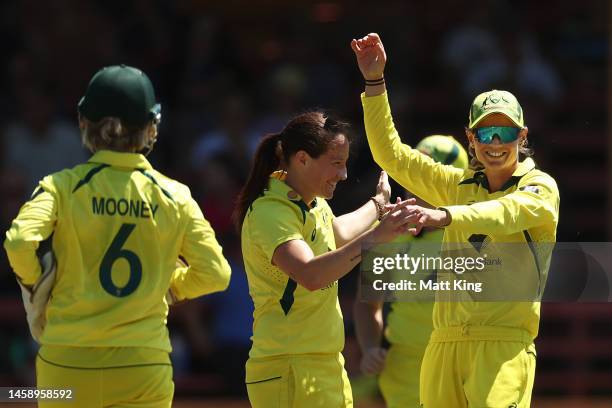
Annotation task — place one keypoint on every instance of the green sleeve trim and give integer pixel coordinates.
(150, 177)
(89, 176)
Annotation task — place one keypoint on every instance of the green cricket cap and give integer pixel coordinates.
(496, 101)
(123, 92)
(444, 149)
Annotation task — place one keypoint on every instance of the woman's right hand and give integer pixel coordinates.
(371, 56)
(401, 216)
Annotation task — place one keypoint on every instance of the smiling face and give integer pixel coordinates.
(324, 172)
(497, 157)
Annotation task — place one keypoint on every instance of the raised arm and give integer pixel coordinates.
(371, 58)
(413, 170)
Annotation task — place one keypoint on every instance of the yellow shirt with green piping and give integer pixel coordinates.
(288, 318)
(117, 228)
(525, 210)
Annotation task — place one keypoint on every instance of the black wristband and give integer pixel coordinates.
(374, 82)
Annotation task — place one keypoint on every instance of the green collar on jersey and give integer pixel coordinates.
(480, 178)
(121, 159)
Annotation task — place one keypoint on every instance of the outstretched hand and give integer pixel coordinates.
(423, 217)
(371, 56)
(383, 188)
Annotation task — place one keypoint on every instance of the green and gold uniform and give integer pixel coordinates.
(408, 327)
(480, 353)
(118, 228)
(295, 360)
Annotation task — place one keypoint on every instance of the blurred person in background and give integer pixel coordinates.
(480, 353)
(214, 345)
(219, 181)
(397, 356)
(216, 331)
(231, 137)
(503, 58)
(281, 95)
(12, 191)
(295, 250)
(39, 143)
(116, 227)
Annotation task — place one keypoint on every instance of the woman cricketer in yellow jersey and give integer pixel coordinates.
(408, 322)
(117, 228)
(295, 250)
(480, 354)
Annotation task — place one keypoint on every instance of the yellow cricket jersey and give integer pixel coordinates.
(409, 323)
(118, 228)
(525, 210)
(288, 318)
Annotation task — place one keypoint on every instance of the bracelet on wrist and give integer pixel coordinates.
(449, 218)
(375, 82)
(380, 208)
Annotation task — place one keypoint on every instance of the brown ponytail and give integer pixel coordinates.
(311, 132)
(266, 161)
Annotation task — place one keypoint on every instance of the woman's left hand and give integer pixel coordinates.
(383, 188)
(425, 217)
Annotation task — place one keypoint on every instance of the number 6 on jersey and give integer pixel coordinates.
(114, 253)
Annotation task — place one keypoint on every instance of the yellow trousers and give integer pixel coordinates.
(399, 380)
(478, 367)
(147, 386)
(298, 381)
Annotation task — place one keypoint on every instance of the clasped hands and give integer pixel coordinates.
(406, 217)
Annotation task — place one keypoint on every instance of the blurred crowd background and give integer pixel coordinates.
(226, 73)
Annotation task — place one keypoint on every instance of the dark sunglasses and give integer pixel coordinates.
(506, 134)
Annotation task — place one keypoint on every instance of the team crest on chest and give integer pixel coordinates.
(531, 189)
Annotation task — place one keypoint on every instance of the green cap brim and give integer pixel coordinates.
(495, 110)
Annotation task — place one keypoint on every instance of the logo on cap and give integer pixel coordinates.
(493, 99)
